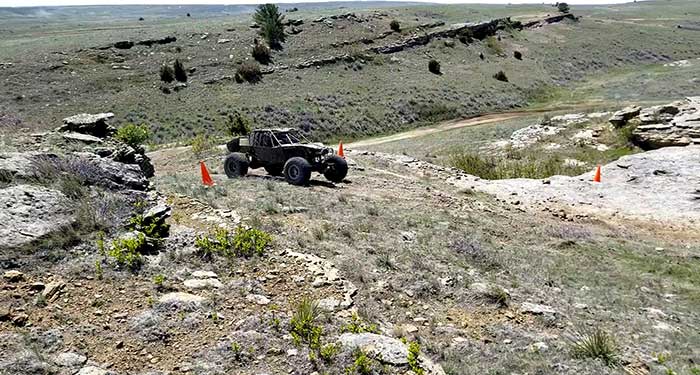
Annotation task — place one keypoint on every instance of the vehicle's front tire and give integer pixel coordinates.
(297, 171)
(274, 169)
(336, 168)
(236, 165)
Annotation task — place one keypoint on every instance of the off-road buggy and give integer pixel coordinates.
(283, 152)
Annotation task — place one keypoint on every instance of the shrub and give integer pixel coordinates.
(518, 55)
(200, 145)
(563, 7)
(434, 66)
(237, 125)
(159, 280)
(395, 26)
(167, 74)
(249, 242)
(494, 45)
(246, 242)
(133, 135)
(501, 76)
(248, 72)
(270, 20)
(499, 296)
(413, 358)
(303, 324)
(150, 229)
(179, 70)
(597, 345)
(126, 252)
(526, 167)
(357, 325)
(362, 364)
(261, 52)
(328, 352)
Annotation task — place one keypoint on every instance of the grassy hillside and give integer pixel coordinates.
(58, 69)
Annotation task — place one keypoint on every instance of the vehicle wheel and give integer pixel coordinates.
(236, 165)
(336, 168)
(297, 171)
(274, 169)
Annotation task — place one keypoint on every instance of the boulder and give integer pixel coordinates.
(676, 124)
(621, 117)
(88, 124)
(13, 276)
(659, 113)
(202, 283)
(536, 309)
(387, 350)
(30, 213)
(86, 138)
(69, 359)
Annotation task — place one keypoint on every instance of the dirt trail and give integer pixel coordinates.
(474, 121)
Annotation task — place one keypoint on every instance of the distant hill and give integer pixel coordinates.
(113, 12)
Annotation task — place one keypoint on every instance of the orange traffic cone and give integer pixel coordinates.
(340, 150)
(206, 178)
(597, 175)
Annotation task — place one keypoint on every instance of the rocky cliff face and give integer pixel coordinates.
(675, 124)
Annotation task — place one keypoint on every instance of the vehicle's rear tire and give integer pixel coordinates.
(236, 165)
(297, 171)
(336, 168)
(274, 169)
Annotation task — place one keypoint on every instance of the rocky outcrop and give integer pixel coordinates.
(549, 20)
(387, 350)
(85, 123)
(676, 124)
(88, 168)
(127, 44)
(621, 117)
(479, 30)
(31, 212)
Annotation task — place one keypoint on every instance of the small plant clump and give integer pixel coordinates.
(434, 66)
(261, 53)
(328, 352)
(237, 125)
(126, 252)
(248, 72)
(413, 358)
(133, 135)
(200, 145)
(245, 242)
(597, 345)
(501, 76)
(362, 364)
(303, 324)
(150, 229)
(357, 325)
(494, 45)
(395, 26)
(159, 280)
(179, 71)
(167, 74)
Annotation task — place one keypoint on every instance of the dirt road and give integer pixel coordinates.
(474, 121)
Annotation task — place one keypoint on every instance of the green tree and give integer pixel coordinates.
(270, 19)
(563, 7)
